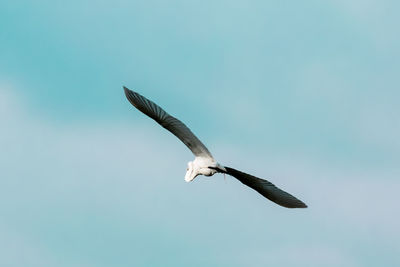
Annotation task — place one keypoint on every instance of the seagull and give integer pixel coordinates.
(204, 163)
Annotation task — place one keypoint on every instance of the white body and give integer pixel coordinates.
(200, 166)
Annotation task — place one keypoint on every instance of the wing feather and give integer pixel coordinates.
(267, 189)
(172, 124)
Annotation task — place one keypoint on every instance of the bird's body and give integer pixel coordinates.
(206, 166)
(204, 163)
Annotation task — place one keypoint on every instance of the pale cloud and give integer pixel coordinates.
(312, 255)
(17, 250)
(375, 19)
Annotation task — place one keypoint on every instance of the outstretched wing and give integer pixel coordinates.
(267, 189)
(169, 122)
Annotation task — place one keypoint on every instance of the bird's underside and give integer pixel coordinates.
(204, 163)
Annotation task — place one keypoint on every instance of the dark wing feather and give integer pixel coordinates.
(267, 189)
(169, 122)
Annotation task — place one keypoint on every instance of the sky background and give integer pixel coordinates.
(305, 94)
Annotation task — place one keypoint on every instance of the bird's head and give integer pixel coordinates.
(191, 172)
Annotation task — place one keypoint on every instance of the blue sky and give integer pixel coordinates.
(304, 94)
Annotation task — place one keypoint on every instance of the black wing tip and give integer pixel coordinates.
(127, 91)
(292, 204)
(300, 205)
(131, 95)
(295, 203)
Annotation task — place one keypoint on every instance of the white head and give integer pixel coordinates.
(191, 172)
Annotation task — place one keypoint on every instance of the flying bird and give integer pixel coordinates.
(204, 163)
